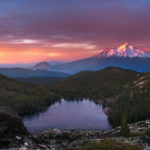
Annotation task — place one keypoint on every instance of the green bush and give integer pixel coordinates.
(108, 145)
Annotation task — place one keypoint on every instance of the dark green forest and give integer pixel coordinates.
(24, 97)
(102, 84)
(124, 92)
(134, 103)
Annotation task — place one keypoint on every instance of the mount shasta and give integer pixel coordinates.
(125, 56)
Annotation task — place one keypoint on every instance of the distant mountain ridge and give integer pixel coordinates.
(25, 73)
(125, 56)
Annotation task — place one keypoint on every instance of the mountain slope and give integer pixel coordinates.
(55, 62)
(108, 82)
(134, 103)
(125, 56)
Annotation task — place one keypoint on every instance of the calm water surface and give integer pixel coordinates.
(69, 115)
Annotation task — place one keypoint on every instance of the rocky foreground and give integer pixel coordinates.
(13, 135)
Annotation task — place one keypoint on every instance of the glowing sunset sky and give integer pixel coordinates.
(37, 30)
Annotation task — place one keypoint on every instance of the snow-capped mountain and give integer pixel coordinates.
(125, 56)
(125, 50)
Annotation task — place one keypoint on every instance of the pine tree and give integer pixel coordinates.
(124, 131)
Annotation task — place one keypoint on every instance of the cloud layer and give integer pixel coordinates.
(71, 29)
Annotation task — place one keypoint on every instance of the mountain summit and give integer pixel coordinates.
(125, 56)
(125, 50)
(42, 66)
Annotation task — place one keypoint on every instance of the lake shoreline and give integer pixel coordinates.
(69, 115)
(62, 139)
(55, 139)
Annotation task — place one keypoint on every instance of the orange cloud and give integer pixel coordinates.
(28, 52)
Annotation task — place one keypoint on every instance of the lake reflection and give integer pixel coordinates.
(69, 115)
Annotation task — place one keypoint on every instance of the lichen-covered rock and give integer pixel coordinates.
(11, 127)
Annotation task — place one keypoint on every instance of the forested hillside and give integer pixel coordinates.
(134, 103)
(102, 84)
(131, 89)
(24, 97)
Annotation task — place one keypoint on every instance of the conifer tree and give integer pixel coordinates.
(124, 131)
